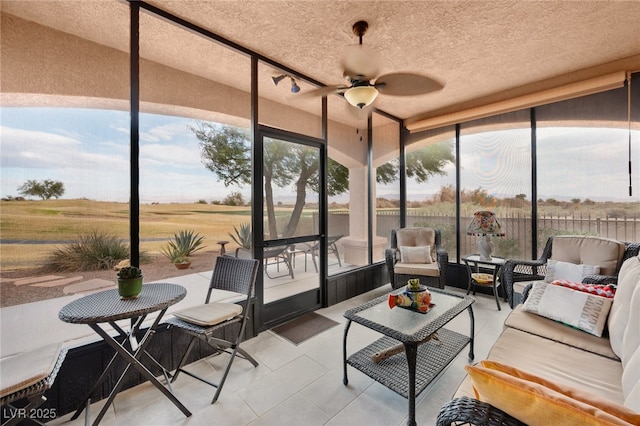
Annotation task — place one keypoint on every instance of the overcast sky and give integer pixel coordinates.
(88, 150)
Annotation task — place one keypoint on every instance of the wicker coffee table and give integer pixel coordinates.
(410, 372)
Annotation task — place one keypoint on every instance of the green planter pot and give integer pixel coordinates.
(129, 288)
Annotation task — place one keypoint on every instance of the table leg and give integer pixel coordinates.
(87, 402)
(411, 350)
(345, 380)
(133, 360)
(470, 279)
(495, 287)
(472, 333)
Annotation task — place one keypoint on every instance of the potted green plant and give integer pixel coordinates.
(182, 262)
(129, 282)
(183, 245)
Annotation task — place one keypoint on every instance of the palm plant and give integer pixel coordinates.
(184, 244)
(242, 236)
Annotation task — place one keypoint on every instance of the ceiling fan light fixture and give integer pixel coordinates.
(361, 96)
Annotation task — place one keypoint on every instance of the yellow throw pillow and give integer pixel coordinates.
(536, 401)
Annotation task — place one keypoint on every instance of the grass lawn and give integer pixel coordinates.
(41, 226)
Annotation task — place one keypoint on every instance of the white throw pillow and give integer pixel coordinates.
(584, 311)
(558, 270)
(420, 254)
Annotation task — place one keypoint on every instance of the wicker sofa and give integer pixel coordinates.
(432, 273)
(607, 253)
(570, 365)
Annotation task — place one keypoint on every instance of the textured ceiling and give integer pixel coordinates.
(483, 51)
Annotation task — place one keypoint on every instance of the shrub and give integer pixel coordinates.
(184, 244)
(233, 199)
(95, 251)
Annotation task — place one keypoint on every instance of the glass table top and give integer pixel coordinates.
(405, 324)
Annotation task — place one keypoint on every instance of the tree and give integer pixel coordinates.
(421, 164)
(44, 189)
(226, 151)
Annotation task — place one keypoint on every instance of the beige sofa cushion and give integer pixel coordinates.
(413, 237)
(628, 281)
(631, 336)
(603, 252)
(559, 332)
(557, 362)
(633, 399)
(424, 269)
(631, 380)
(519, 286)
(416, 237)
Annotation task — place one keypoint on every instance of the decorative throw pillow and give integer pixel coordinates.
(558, 270)
(537, 401)
(581, 310)
(420, 254)
(604, 290)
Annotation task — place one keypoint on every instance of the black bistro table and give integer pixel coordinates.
(424, 359)
(474, 262)
(106, 307)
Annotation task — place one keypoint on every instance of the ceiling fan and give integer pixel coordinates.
(361, 71)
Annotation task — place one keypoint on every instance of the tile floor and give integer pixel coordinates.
(301, 385)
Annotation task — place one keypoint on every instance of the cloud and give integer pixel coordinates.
(165, 132)
(170, 155)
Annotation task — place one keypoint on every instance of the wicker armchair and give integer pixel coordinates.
(515, 271)
(400, 279)
(465, 410)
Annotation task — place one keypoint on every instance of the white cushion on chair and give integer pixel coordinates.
(25, 369)
(209, 314)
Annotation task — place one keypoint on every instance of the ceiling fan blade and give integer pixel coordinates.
(359, 62)
(323, 91)
(406, 84)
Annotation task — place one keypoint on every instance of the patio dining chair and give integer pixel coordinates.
(201, 322)
(332, 248)
(277, 256)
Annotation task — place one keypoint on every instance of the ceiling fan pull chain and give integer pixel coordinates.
(629, 124)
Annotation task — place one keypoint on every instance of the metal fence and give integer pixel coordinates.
(517, 227)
